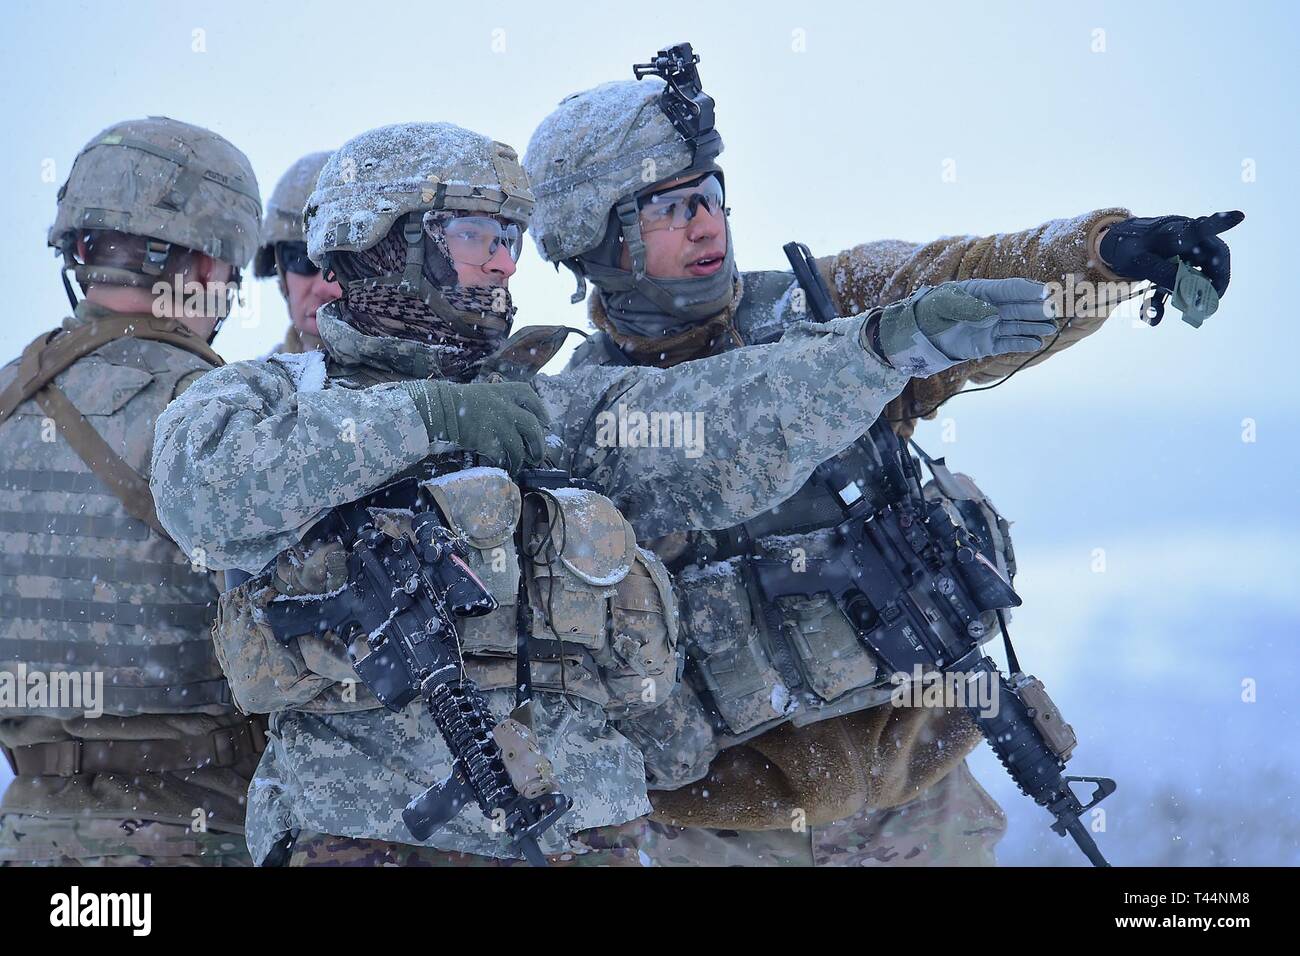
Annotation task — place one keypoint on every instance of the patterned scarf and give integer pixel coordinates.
(486, 312)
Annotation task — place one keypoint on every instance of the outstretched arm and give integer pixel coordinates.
(1063, 251)
(711, 443)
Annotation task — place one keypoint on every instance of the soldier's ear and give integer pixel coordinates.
(204, 267)
(207, 269)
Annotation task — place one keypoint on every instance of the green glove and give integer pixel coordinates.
(936, 328)
(503, 421)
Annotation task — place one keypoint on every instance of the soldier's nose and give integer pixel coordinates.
(702, 226)
(327, 291)
(501, 263)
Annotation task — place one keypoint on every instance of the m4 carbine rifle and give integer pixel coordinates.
(397, 615)
(914, 584)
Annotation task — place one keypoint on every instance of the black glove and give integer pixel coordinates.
(1142, 249)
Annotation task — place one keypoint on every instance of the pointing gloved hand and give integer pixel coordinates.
(503, 421)
(937, 327)
(1151, 248)
(1182, 257)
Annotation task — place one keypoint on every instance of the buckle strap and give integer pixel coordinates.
(629, 218)
(28, 378)
(221, 748)
(50, 353)
(53, 352)
(127, 484)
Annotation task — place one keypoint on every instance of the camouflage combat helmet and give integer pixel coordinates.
(590, 160)
(168, 181)
(283, 219)
(378, 179)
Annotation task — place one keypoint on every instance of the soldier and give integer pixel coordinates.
(422, 224)
(282, 252)
(630, 197)
(151, 765)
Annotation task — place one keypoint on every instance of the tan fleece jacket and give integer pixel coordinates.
(878, 273)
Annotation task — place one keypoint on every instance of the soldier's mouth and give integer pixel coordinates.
(705, 266)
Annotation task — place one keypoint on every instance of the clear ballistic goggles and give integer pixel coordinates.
(674, 208)
(474, 240)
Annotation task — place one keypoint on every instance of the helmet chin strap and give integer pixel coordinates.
(629, 223)
(413, 282)
(237, 281)
(646, 306)
(416, 296)
(146, 277)
(574, 266)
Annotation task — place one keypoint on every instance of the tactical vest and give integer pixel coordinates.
(753, 664)
(600, 615)
(799, 658)
(90, 586)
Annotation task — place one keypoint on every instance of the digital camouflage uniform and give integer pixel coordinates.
(283, 223)
(254, 455)
(89, 584)
(588, 158)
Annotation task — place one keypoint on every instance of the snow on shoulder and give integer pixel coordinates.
(306, 368)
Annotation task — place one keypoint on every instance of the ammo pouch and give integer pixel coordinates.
(311, 674)
(757, 663)
(600, 615)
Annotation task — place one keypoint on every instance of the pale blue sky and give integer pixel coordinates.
(1131, 442)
